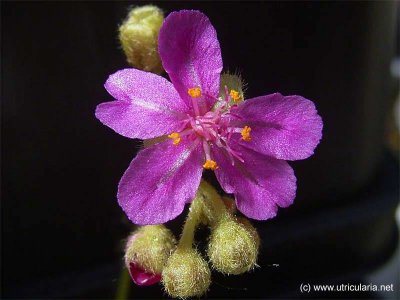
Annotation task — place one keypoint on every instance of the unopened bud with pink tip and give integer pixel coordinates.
(146, 253)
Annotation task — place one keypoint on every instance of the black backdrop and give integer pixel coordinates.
(60, 166)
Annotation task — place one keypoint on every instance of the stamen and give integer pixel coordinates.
(235, 95)
(246, 133)
(210, 165)
(194, 92)
(176, 138)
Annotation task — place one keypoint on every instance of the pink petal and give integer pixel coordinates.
(142, 278)
(285, 127)
(260, 184)
(159, 181)
(190, 53)
(147, 105)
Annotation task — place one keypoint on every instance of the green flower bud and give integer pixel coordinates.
(233, 246)
(186, 274)
(149, 247)
(139, 38)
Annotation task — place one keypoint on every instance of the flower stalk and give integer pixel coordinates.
(192, 221)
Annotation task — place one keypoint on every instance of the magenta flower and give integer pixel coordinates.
(246, 143)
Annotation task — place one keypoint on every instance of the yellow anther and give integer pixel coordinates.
(176, 137)
(235, 95)
(210, 165)
(194, 92)
(246, 133)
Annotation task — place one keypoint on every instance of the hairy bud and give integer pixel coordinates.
(251, 229)
(139, 38)
(149, 248)
(233, 246)
(186, 274)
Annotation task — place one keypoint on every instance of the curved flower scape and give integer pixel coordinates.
(246, 143)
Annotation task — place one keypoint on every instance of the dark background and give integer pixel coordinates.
(62, 228)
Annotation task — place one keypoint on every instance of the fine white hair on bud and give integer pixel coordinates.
(149, 247)
(139, 38)
(186, 274)
(251, 229)
(233, 246)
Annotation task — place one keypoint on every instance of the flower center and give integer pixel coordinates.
(213, 128)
